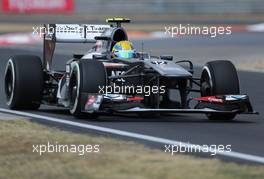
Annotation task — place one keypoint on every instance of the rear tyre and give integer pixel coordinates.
(87, 76)
(24, 82)
(219, 78)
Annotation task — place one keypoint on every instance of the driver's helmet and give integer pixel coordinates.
(123, 49)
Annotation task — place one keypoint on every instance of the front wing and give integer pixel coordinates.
(199, 111)
(224, 104)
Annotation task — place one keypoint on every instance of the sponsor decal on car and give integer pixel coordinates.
(235, 97)
(214, 99)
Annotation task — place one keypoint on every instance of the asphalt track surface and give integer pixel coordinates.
(245, 134)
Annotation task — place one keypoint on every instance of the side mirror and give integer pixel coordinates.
(78, 56)
(166, 57)
(100, 57)
(142, 55)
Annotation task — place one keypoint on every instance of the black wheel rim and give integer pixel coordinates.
(73, 91)
(206, 89)
(9, 84)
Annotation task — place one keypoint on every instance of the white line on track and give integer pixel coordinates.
(232, 154)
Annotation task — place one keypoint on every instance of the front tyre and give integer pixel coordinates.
(219, 78)
(23, 82)
(86, 77)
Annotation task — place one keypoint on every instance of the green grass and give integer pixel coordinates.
(117, 159)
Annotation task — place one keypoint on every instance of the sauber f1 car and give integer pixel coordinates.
(88, 86)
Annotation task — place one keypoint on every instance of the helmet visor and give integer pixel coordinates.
(125, 54)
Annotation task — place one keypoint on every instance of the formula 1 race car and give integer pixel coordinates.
(113, 78)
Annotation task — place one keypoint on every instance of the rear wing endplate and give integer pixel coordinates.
(68, 33)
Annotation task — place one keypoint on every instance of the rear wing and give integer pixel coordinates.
(73, 33)
(68, 33)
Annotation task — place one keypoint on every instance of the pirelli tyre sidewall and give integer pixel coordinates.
(219, 78)
(23, 82)
(86, 77)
